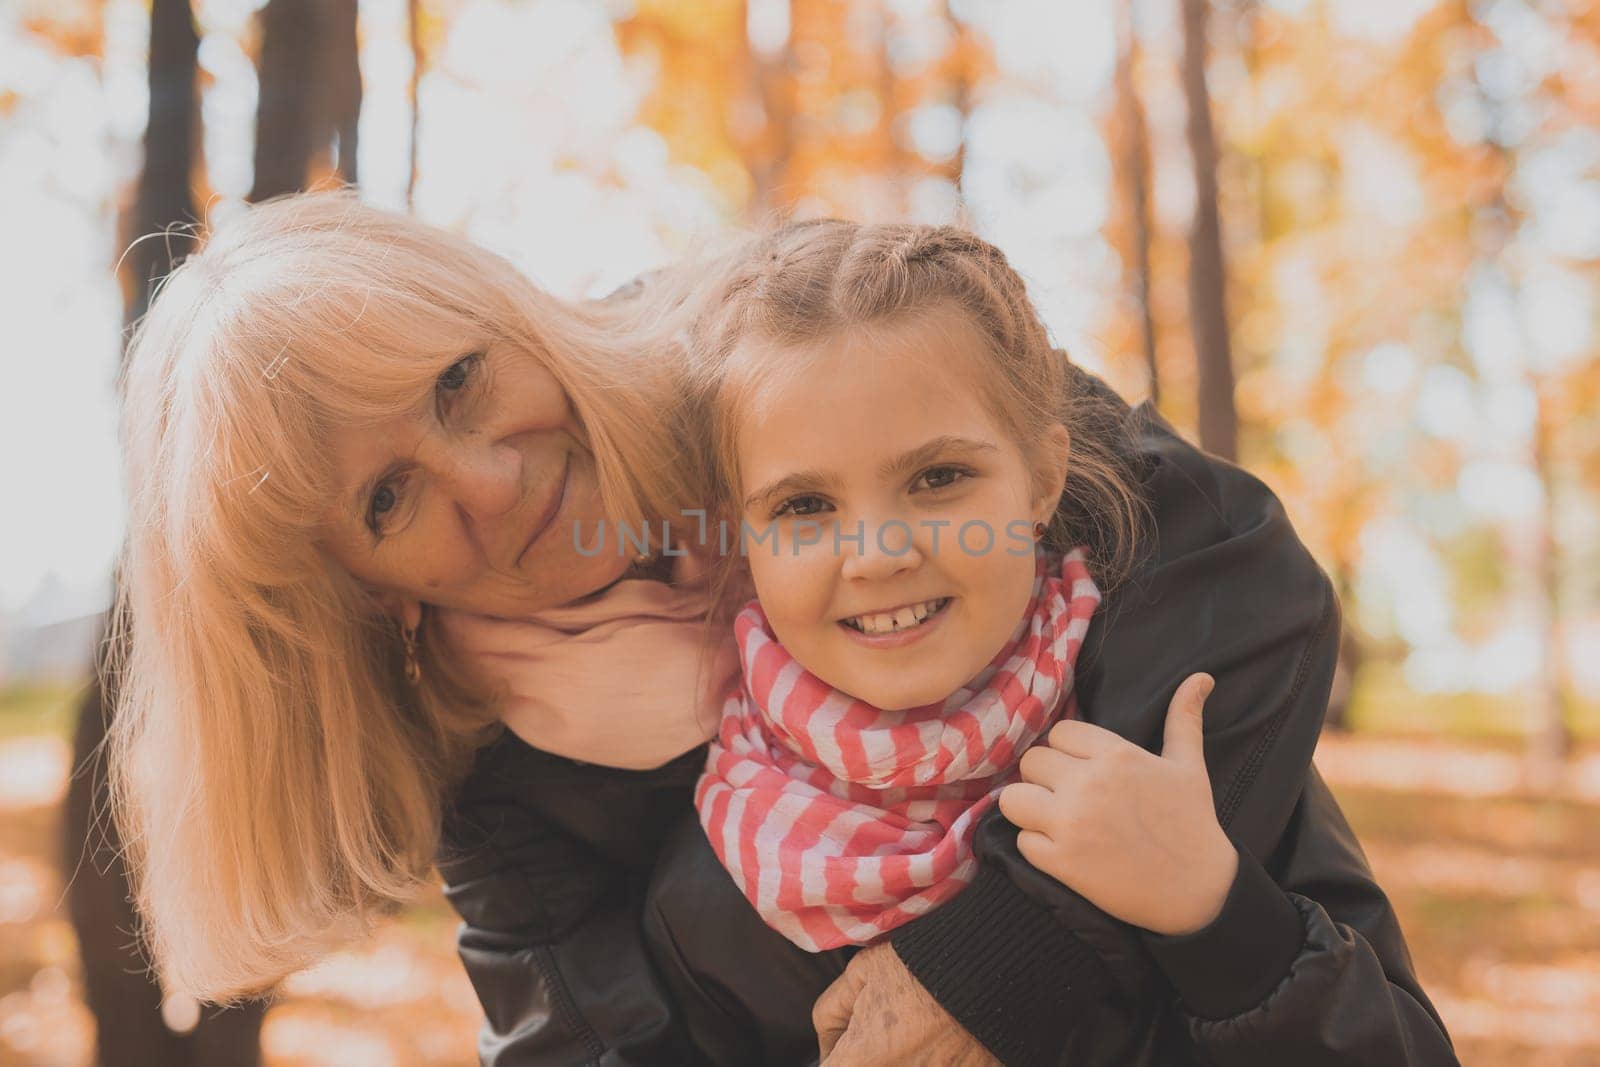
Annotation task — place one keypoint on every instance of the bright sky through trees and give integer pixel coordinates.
(1389, 360)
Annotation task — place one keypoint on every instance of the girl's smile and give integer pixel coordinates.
(898, 627)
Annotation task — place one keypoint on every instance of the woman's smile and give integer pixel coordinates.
(548, 517)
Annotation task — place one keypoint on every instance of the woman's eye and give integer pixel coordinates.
(385, 499)
(800, 506)
(454, 377)
(941, 477)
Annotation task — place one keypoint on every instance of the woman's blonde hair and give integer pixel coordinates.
(810, 281)
(277, 783)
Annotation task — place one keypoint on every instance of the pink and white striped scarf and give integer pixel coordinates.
(840, 821)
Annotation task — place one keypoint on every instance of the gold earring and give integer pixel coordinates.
(408, 634)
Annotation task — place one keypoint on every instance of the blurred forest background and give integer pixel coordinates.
(1352, 244)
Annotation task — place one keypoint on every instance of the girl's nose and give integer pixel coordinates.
(884, 550)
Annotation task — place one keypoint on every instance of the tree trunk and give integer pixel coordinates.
(124, 998)
(120, 992)
(1551, 741)
(284, 104)
(1135, 160)
(771, 72)
(1352, 653)
(1208, 310)
(165, 197)
(1532, 550)
(341, 94)
(961, 100)
(894, 176)
(310, 97)
(414, 28)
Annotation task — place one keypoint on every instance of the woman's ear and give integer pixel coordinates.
(1050, 469)
(407, 611)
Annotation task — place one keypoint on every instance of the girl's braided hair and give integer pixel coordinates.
(808, 281)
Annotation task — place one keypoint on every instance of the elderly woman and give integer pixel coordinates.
(357, 452)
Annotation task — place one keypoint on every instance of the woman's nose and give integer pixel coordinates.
(485, 479)
(883, 550)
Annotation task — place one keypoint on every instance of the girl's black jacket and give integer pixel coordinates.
(547, 860)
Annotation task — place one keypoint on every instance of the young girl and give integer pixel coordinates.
(886, 438)
(892, 472)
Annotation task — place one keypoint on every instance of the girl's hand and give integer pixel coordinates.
(1134, 833)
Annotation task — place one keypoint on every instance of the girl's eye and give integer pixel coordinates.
(454, 377)
(385, 499)
(941, 477)
(800, 506)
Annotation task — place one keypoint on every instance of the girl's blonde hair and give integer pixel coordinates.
(277, 783)
(809, 281)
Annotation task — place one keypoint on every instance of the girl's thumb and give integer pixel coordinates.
(1184, 738)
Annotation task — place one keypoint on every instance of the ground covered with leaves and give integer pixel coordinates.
(1497, 885)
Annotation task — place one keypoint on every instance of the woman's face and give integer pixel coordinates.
(471, 500)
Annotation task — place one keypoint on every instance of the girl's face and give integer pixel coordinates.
(470, 500)
(885, 433)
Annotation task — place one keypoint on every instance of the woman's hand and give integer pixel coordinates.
(876, 1012)
(1132, 832)
(631, 692)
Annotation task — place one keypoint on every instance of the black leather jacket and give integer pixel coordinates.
(547, 860)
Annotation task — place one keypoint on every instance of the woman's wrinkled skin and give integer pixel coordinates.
(876, 1013)
(438, 505)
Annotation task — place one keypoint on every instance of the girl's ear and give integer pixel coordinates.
(1050, 468)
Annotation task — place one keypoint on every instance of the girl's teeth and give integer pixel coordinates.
(898, 620)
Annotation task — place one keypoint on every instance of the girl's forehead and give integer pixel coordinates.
(937, 349)
(865, 398)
